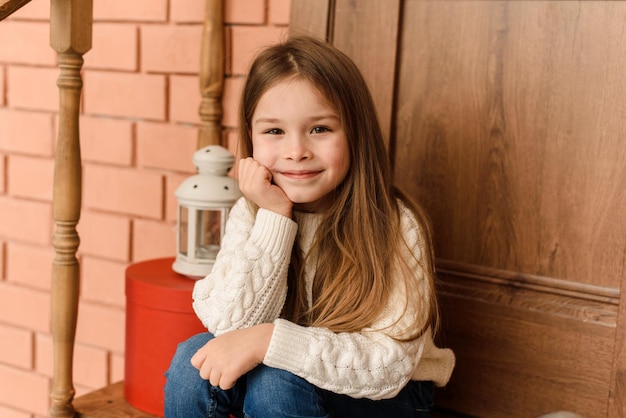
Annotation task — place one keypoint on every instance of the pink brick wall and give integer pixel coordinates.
(138, 131)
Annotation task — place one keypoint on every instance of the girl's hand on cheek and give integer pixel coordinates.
(255, 182)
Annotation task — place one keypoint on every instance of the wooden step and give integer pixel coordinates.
(108, 402)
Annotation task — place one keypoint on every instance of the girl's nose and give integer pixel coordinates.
(297, 148)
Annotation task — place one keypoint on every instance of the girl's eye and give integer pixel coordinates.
(274, 131)
(320, 130)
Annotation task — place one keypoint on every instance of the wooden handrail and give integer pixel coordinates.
(8, 7)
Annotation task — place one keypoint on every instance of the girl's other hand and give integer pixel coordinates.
(255, 182)
(224, 359)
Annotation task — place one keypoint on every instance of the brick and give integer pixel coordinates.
(125, 95)
(244, 11)
(7, 412)
(180, 141)
(103, 281)
(248, 41)
(2, 171)
(104, 235)
(233, 87)
(136, 10)
(2, 84)
(27, 132)
(279, 12)
(187, 11)
(232, 144)
(116, 370)
(106, 140)
(127, 191)
(171, 49)
(29, 265)
(172, 181)
(43, 354)
(2, 260)
(230, 139)
(24, 307)
(185, 98)
(30, 177)
(115, 47)
(17, 347)
(23, 390)
(91, 366)
(82, 390)
(32, 88)
(153, 239)
(101, 326)
(90, 363)
(26, 220)
(33, 47)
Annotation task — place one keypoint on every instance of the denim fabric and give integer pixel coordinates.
(266, 392)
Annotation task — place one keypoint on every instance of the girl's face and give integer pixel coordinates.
(298, 136)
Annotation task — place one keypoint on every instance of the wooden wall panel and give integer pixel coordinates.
(368, 32)
(617, 395)
(510, 127)
(525, 345)
(515, 363)
(311, 17)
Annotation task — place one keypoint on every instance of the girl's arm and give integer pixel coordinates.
(248, 283)
(361, 365)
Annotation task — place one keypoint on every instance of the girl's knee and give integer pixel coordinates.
(274, 393)
(189, 347)
(182, 378)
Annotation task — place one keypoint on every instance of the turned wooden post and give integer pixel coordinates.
(211, 75)
(70, 36)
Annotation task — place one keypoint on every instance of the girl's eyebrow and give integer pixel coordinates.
(310, 120)
(266, 120)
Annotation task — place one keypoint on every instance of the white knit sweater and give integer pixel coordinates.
(248, 286)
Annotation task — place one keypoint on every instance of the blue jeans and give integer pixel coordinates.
(275, 393)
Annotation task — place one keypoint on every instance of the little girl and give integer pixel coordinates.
(321, 301)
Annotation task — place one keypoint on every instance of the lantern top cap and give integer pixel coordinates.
(213, 160)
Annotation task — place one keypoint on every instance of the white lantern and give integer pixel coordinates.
(204, 201)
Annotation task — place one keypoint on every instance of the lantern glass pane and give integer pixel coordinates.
(183, 229)
(208, 235)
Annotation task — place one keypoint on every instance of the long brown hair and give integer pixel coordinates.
(358, 242)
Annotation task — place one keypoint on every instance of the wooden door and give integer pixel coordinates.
(507, 121)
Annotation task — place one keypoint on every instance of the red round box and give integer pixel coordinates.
(159, 315)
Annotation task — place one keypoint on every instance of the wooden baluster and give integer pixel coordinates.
(70, 36)
(211, 75)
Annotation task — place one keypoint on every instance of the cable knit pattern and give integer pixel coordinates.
(248, 283)
(365, 364)
(248, 286)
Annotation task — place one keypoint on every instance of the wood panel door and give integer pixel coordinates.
(507, 121)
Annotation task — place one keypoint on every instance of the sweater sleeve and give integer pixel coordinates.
(361, 365)
(370, 363)
(248, 283)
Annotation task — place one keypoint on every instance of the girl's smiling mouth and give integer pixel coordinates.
(300, 174)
